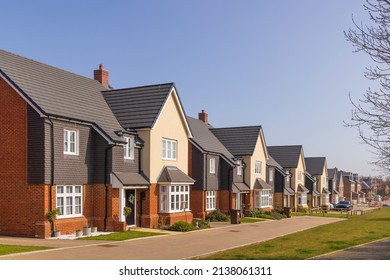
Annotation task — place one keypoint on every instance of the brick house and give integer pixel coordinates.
(291, 158)
(64, 148)
(248, 146)
(156, 114)
(216, 171)
(317, 167)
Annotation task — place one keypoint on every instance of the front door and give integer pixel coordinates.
(130, 202)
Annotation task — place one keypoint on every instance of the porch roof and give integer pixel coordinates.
(240, 188)
(131, 179)
(260, 184)
(172, 174)
(288, 191)
(302, 188)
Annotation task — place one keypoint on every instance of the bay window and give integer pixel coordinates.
(174, 198)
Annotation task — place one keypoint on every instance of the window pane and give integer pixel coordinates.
(69, 189)
(169, 149)
(77, 189)
(69, 205)
(164, 148)
(60, 189)
(173, 150)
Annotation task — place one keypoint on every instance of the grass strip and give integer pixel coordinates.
(14, 249)
(120, 236)
(316, 241)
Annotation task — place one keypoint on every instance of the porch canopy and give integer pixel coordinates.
(325, 191)
(173, 175)
(334, 191)
(127, 179)
(240, 188)
(302, 189)
(288, 191)
(316, 193)
(260, 184)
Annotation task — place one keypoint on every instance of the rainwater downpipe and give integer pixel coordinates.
(51, 162)
(105, 183)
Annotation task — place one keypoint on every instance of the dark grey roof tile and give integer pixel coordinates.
(315, 165)
(286, 156)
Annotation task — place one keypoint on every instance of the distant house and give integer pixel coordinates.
(280, 180)
(340, 184)
(332, 183)
(316, 166)
(215, 170)
(291, 158)
(313, 196)
(247, 144)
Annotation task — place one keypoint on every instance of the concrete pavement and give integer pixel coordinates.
(168, 247)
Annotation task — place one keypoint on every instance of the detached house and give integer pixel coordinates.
(247, 144)
(316, 166)
(60, 144)
(280, 181)
(218, 175)
(292, 158)
(156, 115)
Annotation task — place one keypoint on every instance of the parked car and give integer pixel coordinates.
(344, 204)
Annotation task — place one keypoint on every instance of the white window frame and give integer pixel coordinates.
(257, 167)
(239, 168)
(211, 202)
(169, 149)
(271, 175)
(67, 142)
(212, 165)
(302, 199)
(129, 147)
(299, 175)
(66, 201)
(263, 199)
(174, 198)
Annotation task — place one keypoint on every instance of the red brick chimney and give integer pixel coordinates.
(101, 75)
(203, 116)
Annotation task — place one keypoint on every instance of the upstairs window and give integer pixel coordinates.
(271, 175)
(212, 165)
(129, 148)
(70, 142)
(169, 149)
(299, 175)
(239, 168)
(258, 167)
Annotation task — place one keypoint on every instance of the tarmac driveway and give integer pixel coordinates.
(169, 247)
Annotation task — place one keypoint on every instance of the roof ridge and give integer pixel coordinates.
(139, 87)
(231, 127)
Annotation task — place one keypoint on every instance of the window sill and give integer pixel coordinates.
(69, 216)
(176, 211)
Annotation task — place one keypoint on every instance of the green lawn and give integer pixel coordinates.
(250, 220)
(13, 249)
(320, 240)
(123, 235)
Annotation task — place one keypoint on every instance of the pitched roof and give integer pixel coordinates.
(59, 93)
(131, 179)
(286, 156)
(315, 165)
(240, 141)
(332, 172)
(172, 174)
(272, 162)
(138, 107)
(203, 137)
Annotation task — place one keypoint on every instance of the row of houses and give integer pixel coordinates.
(77, 145)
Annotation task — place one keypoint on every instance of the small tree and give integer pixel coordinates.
(51, 216)
(371, 114)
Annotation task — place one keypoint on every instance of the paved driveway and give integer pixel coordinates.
(170, 247)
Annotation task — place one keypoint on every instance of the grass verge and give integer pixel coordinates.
(120, 236)
(250, 220)
(14, 249)
(316, 241)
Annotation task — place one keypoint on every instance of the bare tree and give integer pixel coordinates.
(371, 114)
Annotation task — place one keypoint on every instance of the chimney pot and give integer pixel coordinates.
(203, 116)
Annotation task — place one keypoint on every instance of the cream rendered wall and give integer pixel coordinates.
(259, 154)
(295, 171)
(322, 178)
(170, 125)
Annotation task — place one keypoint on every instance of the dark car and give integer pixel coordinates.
(344, 204)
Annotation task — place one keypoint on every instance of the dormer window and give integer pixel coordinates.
(70, 142)
(129, 147)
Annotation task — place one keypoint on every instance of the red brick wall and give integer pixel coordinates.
(198, 204)
(278, 200)
(223, 199)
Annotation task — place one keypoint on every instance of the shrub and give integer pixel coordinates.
(182, 226)
(302, 209)
(255, 212)
(276, 215)
(216, 216)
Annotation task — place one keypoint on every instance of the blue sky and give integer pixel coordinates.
(284, 65)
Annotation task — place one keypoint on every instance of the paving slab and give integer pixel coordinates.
(169, 247)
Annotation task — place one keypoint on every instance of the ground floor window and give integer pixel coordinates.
(325, 199)
(174, 198)
(210, 200)
(69, 201)
(262, 199)
(302, 199)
